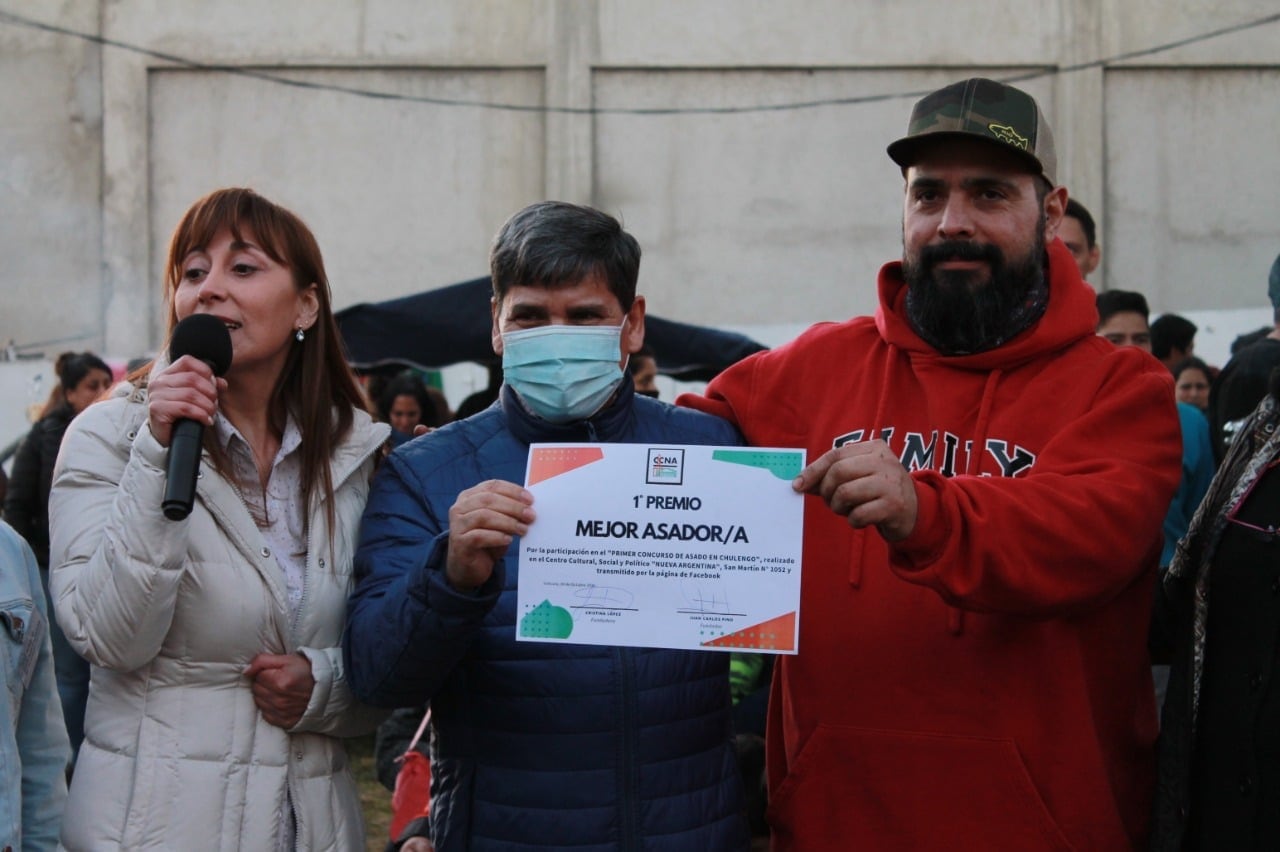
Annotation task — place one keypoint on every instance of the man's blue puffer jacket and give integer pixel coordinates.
(536, 746)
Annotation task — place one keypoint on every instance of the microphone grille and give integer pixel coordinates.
(205, 337)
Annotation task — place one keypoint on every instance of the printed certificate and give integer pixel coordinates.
(662, 546)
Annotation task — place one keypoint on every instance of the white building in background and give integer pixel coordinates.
(742, 141)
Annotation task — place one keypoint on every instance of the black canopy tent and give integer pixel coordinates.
(452, 324)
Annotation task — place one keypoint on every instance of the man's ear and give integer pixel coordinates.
(633, 333)
(495, 334)
(1055, 207)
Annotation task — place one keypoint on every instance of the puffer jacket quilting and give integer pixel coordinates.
(176, 754)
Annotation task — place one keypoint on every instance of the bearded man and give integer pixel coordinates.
(988, 483)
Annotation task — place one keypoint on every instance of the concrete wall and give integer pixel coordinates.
(753, 219)
(51, 286)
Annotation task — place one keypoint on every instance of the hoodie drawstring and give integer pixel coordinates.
(882, 403)
(984, 421)
(882, 400)
(955, 616)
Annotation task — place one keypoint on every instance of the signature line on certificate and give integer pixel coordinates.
(709, 612)
(604, 597)
(699, 599)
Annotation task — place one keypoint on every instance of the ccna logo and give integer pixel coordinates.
(666, 467)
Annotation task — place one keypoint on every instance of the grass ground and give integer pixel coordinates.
(375, 799)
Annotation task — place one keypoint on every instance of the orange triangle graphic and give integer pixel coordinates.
(546, 462)
(776, 634)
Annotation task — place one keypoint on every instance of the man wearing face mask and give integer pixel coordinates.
(539, 745)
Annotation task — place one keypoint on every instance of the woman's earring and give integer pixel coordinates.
(299, 336)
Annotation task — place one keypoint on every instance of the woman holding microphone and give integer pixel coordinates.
(218, 699)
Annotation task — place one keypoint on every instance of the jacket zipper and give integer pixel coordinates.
(297, 814)
(295, 750)
(302, 598)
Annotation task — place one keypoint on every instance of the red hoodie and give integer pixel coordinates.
(984, 683)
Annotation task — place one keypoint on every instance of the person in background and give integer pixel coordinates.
(439, 413)
(483, 398)
(392, 740)
(986, 484)
(1080, 235)
(539, 746)
(218, 700)
(34, 749)
(1219, 751)
(1122, 319)
(405, 405)
(1173, 339)
(1243, 341)
(82, 378)
(643, 368)
(1191, 381)
(1244, 380)
(373, 383)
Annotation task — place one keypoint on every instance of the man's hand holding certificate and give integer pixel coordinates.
(688, 547)
(485, 519)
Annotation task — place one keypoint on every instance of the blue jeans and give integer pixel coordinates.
(72, 673)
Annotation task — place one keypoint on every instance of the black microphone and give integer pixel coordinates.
(205, 337)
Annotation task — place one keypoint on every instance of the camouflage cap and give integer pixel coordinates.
(984, 109)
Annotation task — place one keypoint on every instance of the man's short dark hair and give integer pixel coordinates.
(1169, 332)
(1112, 302)
(1080, 213)
(555, 244)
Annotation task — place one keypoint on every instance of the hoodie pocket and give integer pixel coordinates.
(872, 789)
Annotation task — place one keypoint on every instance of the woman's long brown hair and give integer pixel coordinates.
(316, 386)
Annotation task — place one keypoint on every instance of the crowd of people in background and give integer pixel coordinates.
(1020, 493)
(82, 378)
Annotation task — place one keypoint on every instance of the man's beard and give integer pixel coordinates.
(957, 313)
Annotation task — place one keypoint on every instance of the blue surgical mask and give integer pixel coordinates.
(563, 372)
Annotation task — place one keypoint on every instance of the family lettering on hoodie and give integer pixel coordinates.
(917, 453)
